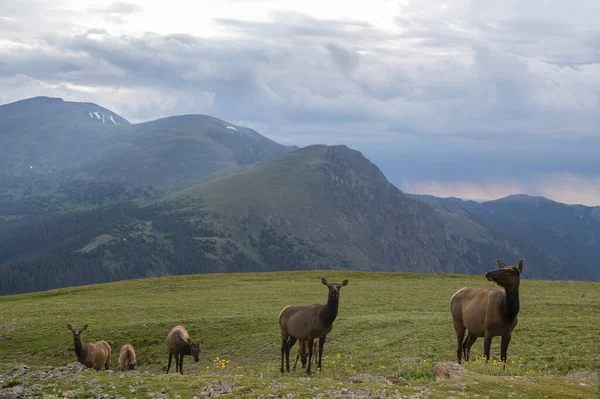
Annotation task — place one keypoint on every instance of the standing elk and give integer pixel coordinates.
(90, 355)
(308, 322)
(487, 313)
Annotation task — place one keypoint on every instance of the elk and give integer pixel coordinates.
(127, 357)
(303, 352)
(487, 313)
(309, 322)
(179, 344)
(90, 355)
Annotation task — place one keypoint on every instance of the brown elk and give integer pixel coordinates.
(179, 344)
(487, 313)
(309, 322)
(303, 352)
(90, 355)
(127, 357)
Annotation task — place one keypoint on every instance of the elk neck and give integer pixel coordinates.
(78, 346)
(510, 304)
(329, 312)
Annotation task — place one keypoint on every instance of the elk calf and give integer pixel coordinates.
(93, 356)
(179, 344)
(127, 357)
(308, 322)
(487, 313)
(303, 353)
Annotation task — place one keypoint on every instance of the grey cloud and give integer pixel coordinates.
(345, 59)
(434, 78)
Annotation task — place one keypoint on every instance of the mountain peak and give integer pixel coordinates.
(46, 109)
(38, 99)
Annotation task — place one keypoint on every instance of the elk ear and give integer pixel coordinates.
(520, 266)
(344, 283)
(84, 328)
(201, 342)
(189, 341)
(324, 281)
(501, 264)
(70, 327)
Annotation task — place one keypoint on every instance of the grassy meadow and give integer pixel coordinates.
(388, 324)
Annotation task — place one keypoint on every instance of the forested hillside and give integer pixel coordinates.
(194, 194)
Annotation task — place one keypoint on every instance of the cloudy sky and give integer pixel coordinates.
(475, 99)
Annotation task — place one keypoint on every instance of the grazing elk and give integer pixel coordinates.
(90, 355)
(179, 344)
(308, 322)
(487, 313)
(127, 357)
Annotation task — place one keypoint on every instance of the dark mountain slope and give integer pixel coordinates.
(318, 207)
(560, 241)
(338, 201)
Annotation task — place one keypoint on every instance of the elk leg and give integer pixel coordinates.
(321, 344)
(310, 354)
(181, 364)
(283, 349)
(297, 356)
(504, 347)
(177, 363)
(304, 353)
(290, 344)
(301, 354)
(460, 336)
(469, 341)
(304, 357)
(169, 365)
(487, 343)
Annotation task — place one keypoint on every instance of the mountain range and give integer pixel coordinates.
(49, 136)
(87, 197)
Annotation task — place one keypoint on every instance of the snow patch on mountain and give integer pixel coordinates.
(103, 118)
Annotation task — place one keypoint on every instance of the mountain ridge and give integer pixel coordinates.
(44, 136)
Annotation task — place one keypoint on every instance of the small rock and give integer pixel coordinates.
(221, 387)
(356, 379)
(393, 379)
(449, 370)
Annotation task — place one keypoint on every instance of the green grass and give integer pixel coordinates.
(388, 324)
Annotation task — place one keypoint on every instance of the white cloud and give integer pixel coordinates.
(457, 69)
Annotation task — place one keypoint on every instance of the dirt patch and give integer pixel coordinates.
(591, 376)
